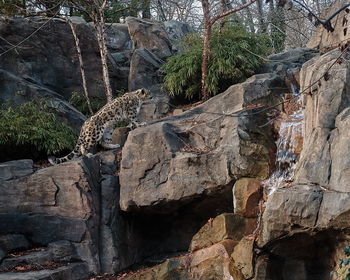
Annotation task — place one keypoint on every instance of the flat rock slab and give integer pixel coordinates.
(15, 169)
(75, 271)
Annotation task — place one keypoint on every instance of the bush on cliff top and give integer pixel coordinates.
(31, 126)
(235, 55)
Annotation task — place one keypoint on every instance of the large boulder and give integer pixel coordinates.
(149, 34)
(199, 153)
(152, 45)
(223, 227)
(326, 123)
(55, 203)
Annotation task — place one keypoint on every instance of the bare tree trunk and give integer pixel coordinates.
(206, 49)
(81, 63)
(208, 23)
(99, 25)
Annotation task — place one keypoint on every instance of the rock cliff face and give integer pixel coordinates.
(167, 192)
(46, 67)
(186, 196)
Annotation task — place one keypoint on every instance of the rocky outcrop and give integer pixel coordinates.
(311, 214)
(185, 194)
(325, 40)
(70, 211)
(291, 59)
(30, 72)
(199, 153)
(326, 107)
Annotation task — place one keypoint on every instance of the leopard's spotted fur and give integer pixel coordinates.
(99, 127)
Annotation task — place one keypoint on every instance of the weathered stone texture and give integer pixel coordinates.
(325, 40)
(200, 152)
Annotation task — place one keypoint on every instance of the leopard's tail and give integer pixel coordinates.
(73, 154)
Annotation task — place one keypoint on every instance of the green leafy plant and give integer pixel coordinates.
(343, 272)
(235, 55)
(31, 126)
(78, 100)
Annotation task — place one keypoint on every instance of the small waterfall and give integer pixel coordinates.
(290, 141)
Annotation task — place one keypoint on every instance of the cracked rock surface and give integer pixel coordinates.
(199, 153)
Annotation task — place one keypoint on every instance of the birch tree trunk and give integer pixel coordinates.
(99, 25)
(81, 63)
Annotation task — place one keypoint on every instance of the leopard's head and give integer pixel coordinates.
(143, 94)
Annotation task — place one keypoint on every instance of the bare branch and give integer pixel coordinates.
(216, 18)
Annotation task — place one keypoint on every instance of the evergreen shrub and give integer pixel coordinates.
(33, 127)
(235, 55)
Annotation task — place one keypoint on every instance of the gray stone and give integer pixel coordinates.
(143, 70)
(118, 38)
(199, 152)
(62, 251)
(56, 203)
(15, 169)
(291, 59)
(77, 19)
(150, 35)
(35, 60)
(12, 242)
(334, 211)
(326, 123)
(176, 30)
(36, 258)
(75, 271)
(289, 209)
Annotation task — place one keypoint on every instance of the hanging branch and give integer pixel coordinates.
(325, 23)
